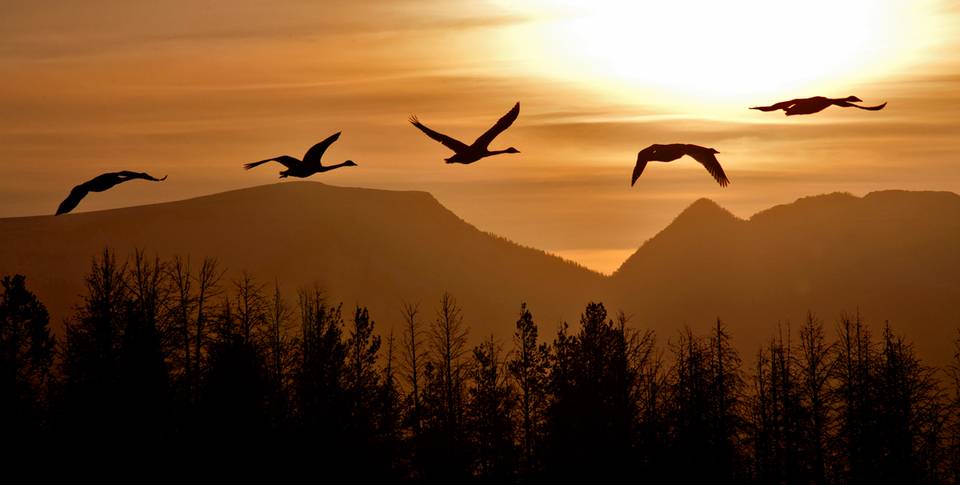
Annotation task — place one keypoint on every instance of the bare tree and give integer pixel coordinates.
(413, 357)
(279, 340)
(816, 371)
(953, 412)
(251, 309)
(208, 287)
(449, 344)
(182, 307)
(147, 286)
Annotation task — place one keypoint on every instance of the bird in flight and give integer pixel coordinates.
(99, 184)
(671, 152)
(464, 153)
(309, 165)
(816, 104)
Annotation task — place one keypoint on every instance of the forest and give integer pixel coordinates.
(171, 362)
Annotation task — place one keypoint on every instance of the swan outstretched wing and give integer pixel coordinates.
(76, 195)
(784, 105)
(285, 160)
(638, 169)
(710, 162)
(451, 143)
(502, 124)
(315, 153)
(643, 156)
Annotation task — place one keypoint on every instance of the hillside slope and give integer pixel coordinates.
(373, 247)
(892, 255)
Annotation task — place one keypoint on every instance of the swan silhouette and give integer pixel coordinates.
(671, 152)
(101, 183)
(464, 153)
(309, 165)
(816, 104)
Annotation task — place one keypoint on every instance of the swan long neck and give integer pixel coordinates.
(336, 165)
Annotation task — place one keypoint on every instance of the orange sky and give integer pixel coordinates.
(193, 89)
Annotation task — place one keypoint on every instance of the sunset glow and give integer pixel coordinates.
(481, 241)
(719, 52)
(194, 90)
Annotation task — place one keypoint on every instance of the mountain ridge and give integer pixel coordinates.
(828, 253)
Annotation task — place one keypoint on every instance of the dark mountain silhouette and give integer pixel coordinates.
(374, 247)
(893, 255)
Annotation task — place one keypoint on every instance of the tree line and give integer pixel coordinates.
(172, 359)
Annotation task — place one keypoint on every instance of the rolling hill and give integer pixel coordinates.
(373, 247)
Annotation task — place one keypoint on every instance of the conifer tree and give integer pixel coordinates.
(490, 414)
(26, 359)
(529, 368)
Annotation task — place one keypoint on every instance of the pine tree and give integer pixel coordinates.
(910, 414)
(362, 385)
(26, 356)
(91, 355)
(529, 368)
(143, 381)
(322, 406)
(441, 451)
(232, 404)
(490, 416)
(592, 416)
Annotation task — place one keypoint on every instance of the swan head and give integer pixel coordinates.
(853, 99)
(349, 163)
(511, 150)
(713, 150)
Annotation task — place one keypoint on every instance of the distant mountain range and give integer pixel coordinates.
(893, 255)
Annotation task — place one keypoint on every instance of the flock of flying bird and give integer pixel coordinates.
(480, 148)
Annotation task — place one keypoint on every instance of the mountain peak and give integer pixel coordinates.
(701, 221)
(704, 210)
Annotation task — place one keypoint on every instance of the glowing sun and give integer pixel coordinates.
(728, 50)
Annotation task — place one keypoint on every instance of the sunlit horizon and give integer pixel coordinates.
(194, 93)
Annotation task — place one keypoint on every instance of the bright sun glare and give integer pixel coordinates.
(722, 51)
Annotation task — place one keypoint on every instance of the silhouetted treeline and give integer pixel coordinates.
(174, 362)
